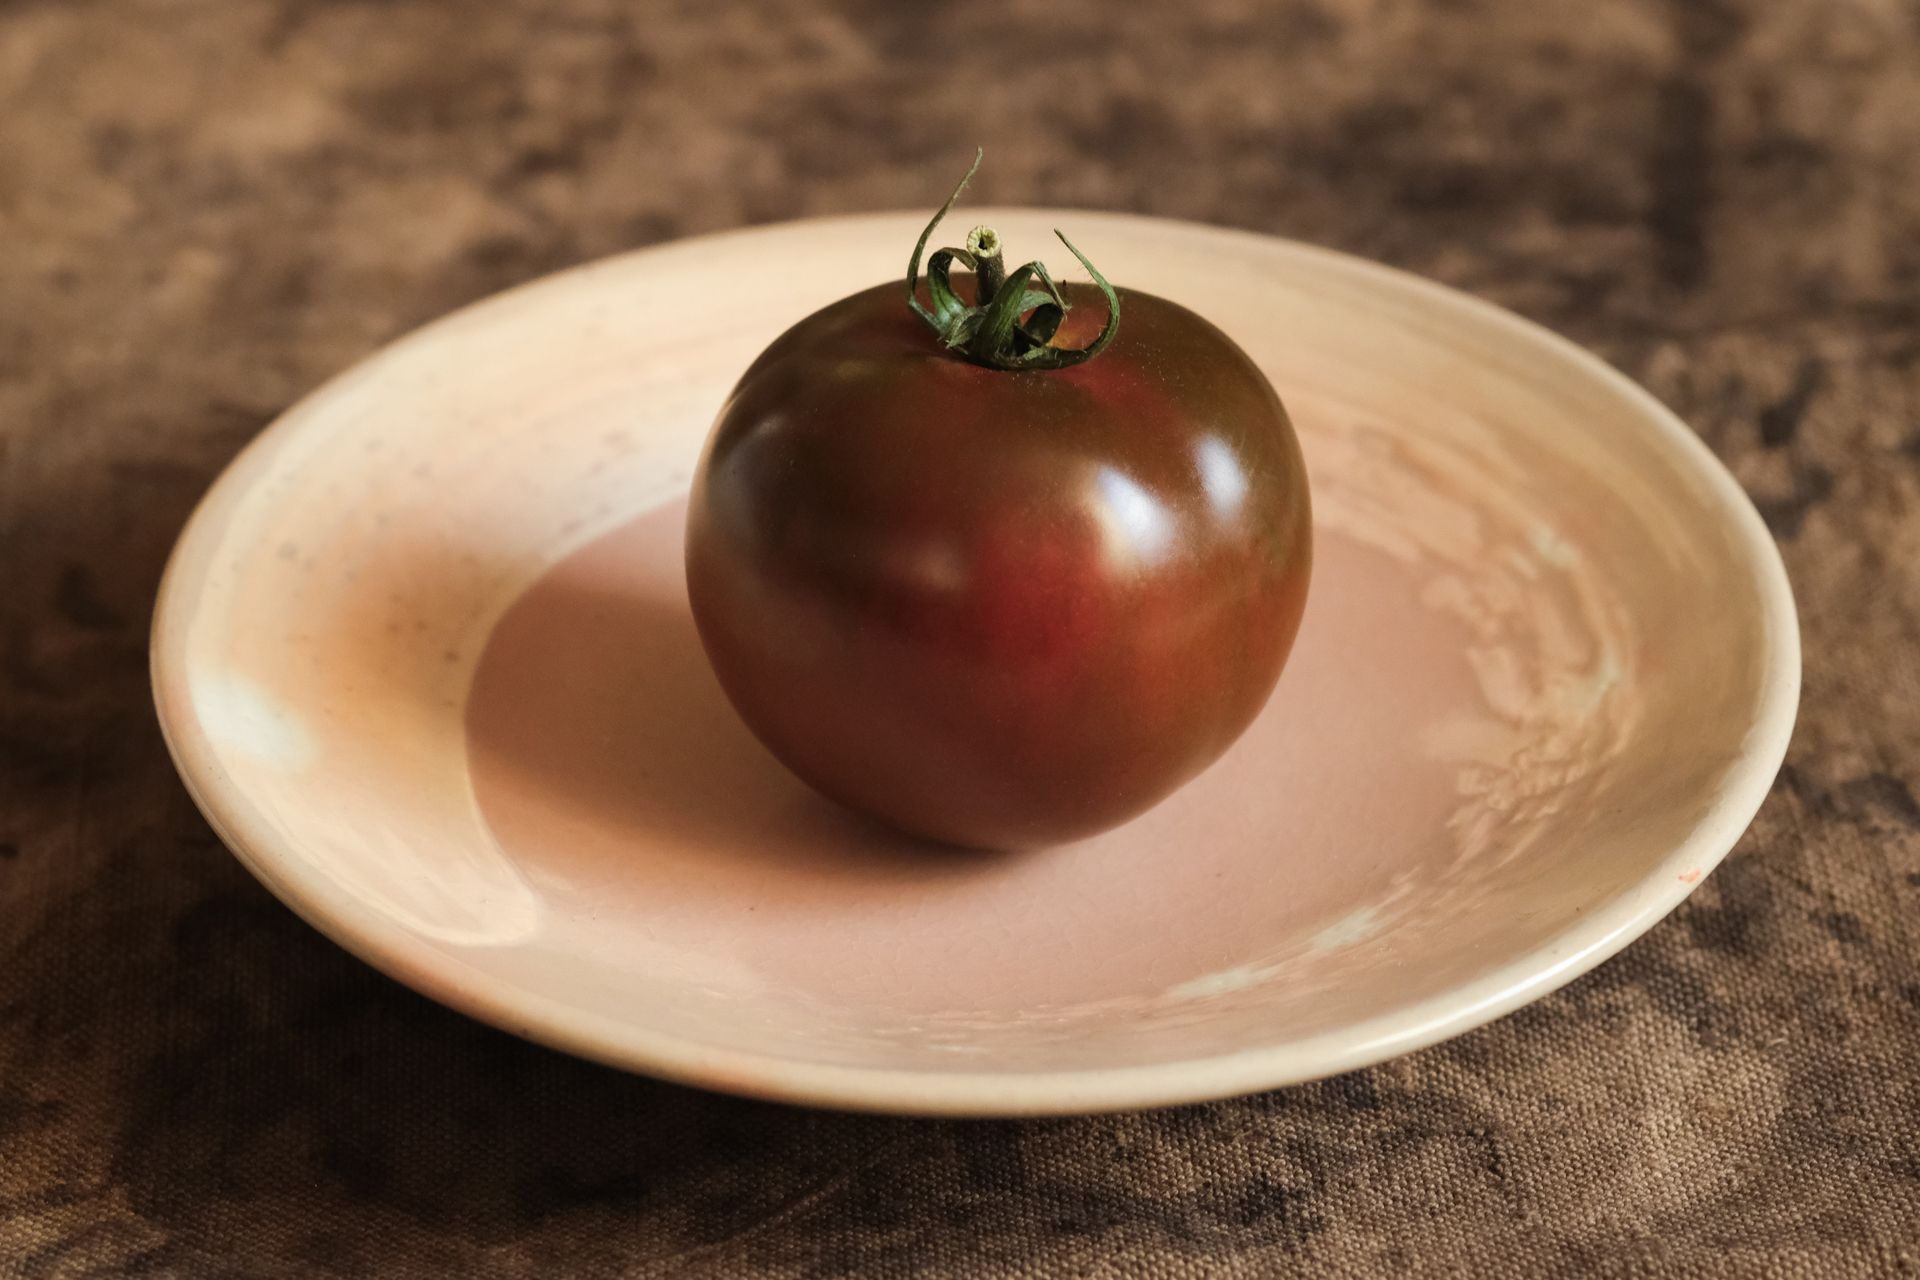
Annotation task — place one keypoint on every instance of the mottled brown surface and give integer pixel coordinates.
(206, 208)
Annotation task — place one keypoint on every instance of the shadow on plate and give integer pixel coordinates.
(595, 725)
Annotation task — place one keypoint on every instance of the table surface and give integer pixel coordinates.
(207, 208)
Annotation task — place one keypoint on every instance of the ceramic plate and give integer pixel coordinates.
(423, 657)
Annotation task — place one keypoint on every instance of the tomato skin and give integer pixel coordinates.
(999, 609)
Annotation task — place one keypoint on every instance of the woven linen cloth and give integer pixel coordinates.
(207, 208)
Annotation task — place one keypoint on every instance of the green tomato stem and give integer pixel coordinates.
(1009, 325)
(989, 268)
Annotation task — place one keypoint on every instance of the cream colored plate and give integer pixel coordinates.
(423, 658)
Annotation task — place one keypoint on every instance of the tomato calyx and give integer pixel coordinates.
(1015, 314)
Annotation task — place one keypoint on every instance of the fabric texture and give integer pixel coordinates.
(207, 208)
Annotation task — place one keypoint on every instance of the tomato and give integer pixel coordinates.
(1000, 607)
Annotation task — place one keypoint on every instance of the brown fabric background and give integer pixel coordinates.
(207, 207)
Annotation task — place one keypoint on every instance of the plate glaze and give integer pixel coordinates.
(424, 659)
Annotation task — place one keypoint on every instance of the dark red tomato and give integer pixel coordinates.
(999, 608)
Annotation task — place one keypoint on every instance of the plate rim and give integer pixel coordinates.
(1602, 933)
